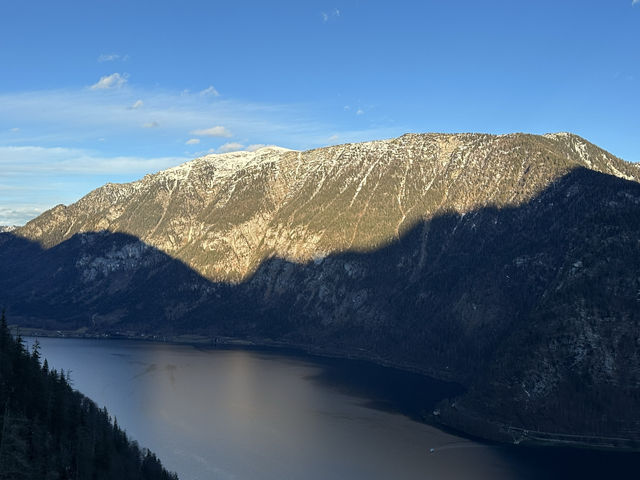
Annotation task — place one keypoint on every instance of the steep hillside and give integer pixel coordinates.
(508, 263)
(50, 431)
(224, 214)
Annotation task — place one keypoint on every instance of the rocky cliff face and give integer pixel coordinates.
(508, 263)
(223, 215)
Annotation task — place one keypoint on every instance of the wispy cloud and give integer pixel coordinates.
(35, 178)
(230, 147)
(111, 57)
(192, 141)
(217, 131)
(153, 124)
(115, 80)
(14, 130)
(237, 147)
(79, 117)
(256, 146)
(326, 16)
(33, 160)
(359, 112)
(137, 104)
(210, 90)
(19, 214)
(634, 2)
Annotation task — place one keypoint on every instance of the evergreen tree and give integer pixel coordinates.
(49, 431)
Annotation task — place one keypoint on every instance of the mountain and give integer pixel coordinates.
(506, 263)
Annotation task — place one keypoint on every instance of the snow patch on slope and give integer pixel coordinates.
(224, 164)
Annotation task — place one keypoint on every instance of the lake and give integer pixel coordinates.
(259, 414)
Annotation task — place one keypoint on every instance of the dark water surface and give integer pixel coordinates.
(243, 414)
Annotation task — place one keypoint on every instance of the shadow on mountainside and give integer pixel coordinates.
(535, 308)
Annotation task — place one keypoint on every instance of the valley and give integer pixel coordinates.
(505, 263)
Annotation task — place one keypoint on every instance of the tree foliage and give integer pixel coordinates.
(49, 431)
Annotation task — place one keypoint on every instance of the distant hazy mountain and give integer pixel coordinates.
(5, 228)
(508, 263)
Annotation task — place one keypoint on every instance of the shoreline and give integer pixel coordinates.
(454, 420)
(202, 341)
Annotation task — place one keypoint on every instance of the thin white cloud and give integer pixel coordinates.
(230, 147)
(115, 80)
(192, 141)
(79, 117)
(35, 178)
(210, 90)
(217, 131)
(19, 214)
(335, 13)
(237, 147)
(359, 112)
(32, 160)
(137, 104)
(112, 57)
(256, 146)
(153, 124)
(333, 138)
(14, 130)
(634, 2)
(108, 57)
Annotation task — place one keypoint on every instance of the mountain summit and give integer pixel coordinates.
(224, 214)
(507, 263)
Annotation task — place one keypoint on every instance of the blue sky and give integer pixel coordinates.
(99, 91)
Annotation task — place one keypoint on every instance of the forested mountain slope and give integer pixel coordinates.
(49, 431)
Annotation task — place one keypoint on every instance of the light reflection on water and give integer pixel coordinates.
(239, 414)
